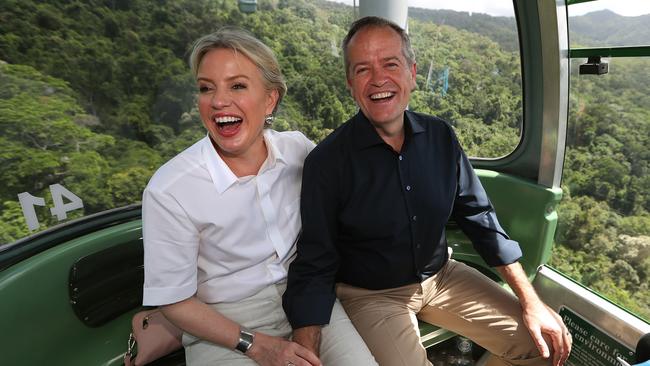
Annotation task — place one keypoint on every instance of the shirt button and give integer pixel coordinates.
(401, 158)
(415, 218)
(417, 245)
(408, 188)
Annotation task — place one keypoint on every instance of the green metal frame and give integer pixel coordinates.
(631, 51)
(526, 211)
(571, 2)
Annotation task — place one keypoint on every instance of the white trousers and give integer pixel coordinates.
(341, 345)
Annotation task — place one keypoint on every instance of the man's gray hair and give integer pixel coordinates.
(372, 21)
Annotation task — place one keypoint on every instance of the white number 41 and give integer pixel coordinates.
(60, 209)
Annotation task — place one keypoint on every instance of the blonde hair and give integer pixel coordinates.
(245, 43)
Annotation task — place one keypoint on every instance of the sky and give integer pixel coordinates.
(504, 7)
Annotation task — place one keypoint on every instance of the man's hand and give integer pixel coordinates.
(276, 351)
(545, 325)
(542, 322)
(309, 337)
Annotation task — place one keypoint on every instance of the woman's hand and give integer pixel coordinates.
(276, 351)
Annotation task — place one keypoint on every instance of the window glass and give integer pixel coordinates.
(607, 23)
(469, 72)
(96, 95)
(604, 224)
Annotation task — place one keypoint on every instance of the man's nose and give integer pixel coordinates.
(377, 76)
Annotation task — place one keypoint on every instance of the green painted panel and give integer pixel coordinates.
(629, 51)
(432, 335)
(40, 306)
(40, 312)
(525, 210)
(571, 2)
(527, 213)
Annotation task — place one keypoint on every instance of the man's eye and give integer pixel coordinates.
(391, 65)
(361, 70)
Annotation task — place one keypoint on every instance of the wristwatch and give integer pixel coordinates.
(246, 338)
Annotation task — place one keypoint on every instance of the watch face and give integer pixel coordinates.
(246, 338)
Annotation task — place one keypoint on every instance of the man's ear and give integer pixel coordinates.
(414, 74)
(348, 85)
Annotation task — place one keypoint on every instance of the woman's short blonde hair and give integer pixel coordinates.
(245, 43)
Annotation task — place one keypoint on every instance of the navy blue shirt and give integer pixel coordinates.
(375, 218)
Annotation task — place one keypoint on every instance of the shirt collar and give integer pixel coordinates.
(274, 154)
(222, 176)
(366, 135)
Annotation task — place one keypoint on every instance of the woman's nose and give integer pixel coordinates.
(220, 100)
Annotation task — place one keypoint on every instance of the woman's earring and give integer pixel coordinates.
(268, 119)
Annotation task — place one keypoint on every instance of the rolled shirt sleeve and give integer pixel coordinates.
(171, 243)
(475, 215)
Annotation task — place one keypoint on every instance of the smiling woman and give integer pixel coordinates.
(233, 104)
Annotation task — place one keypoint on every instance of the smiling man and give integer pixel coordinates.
(376, 196)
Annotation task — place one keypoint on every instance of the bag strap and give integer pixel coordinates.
(130, 346)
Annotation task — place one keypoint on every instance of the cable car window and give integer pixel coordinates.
(469, 73)
(97, 95)
(603, 237)
(598, 23)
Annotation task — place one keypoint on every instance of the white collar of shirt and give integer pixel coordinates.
(221, 174)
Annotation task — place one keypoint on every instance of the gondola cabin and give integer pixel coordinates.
(551, 103)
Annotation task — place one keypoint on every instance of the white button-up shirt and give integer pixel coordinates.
(208, 232)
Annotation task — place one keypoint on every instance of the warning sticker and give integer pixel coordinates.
(591, 346)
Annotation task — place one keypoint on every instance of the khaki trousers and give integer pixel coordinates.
(341, 345)
(458, 298)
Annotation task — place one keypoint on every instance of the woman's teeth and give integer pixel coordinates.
(228, 119)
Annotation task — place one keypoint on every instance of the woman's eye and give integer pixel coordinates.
(204, 89)
(239, 86)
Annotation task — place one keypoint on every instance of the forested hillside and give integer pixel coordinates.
(502, 30)
(606, 28)
(604, 226)
(125, 75)
(97, 94)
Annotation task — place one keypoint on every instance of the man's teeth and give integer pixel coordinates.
(381, 95)
(228, 119)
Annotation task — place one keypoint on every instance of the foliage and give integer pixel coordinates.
(483, 101)
(502, 30)
(604, 218)
(52, 145)
(606, 28)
